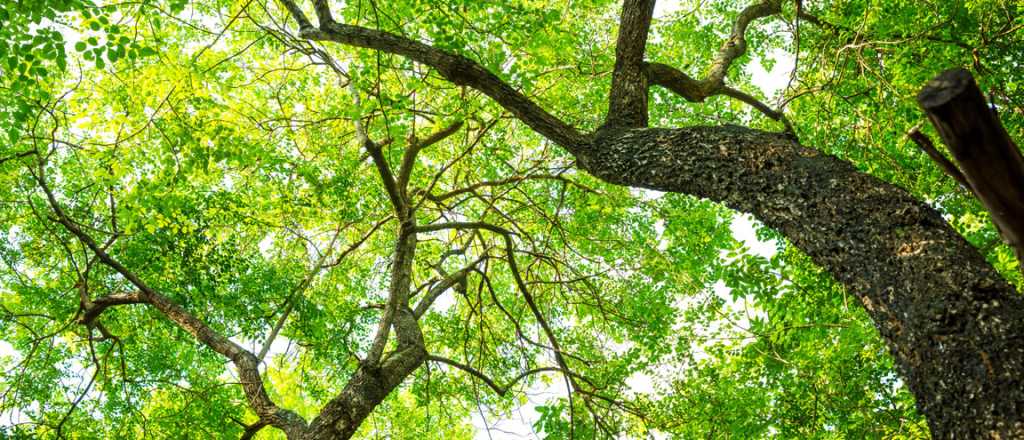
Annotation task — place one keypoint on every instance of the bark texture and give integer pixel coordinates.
(628, 97)
(954, 326)
(990, 162)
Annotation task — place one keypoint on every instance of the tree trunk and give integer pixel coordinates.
(953, 325)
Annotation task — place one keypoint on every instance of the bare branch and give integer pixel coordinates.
(441, 287)
(498, 389)
(299, 288)
(463, 226)
(515, 179)
(415, 146)
(359, 242)
(925, 144)
(532, 304)
(757, 105)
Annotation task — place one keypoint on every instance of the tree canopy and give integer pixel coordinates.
(419, 218)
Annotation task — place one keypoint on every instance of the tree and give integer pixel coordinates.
(204, 196)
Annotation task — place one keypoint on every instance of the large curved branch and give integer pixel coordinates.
(697, 91)
(953, 325)
(453, 67)
(736, 45)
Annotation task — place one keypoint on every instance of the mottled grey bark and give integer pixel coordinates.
(954, 326)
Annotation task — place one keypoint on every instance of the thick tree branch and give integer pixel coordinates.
(296, 12)
(388, 179)
(627, 106)
(398, 294)
(93, 309)
(378, 374)
(669, 77)
(953, 325)
(990, 161)
(455, 68)
(736, 45)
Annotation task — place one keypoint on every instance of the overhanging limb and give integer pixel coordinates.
(988, 159)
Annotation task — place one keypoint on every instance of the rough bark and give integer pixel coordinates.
(988, 159)
(628, 96)
(954, 326)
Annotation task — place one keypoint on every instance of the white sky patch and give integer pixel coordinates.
(444, 303)
(772, 82)
(7, 350)
(744, 230)
(640, 383)
(666, 7)
(266, 245)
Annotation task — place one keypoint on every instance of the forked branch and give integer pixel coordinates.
(245, 362)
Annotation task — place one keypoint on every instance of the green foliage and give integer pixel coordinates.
(218, 156)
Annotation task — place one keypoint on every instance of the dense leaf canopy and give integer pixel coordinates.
(242, 173)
